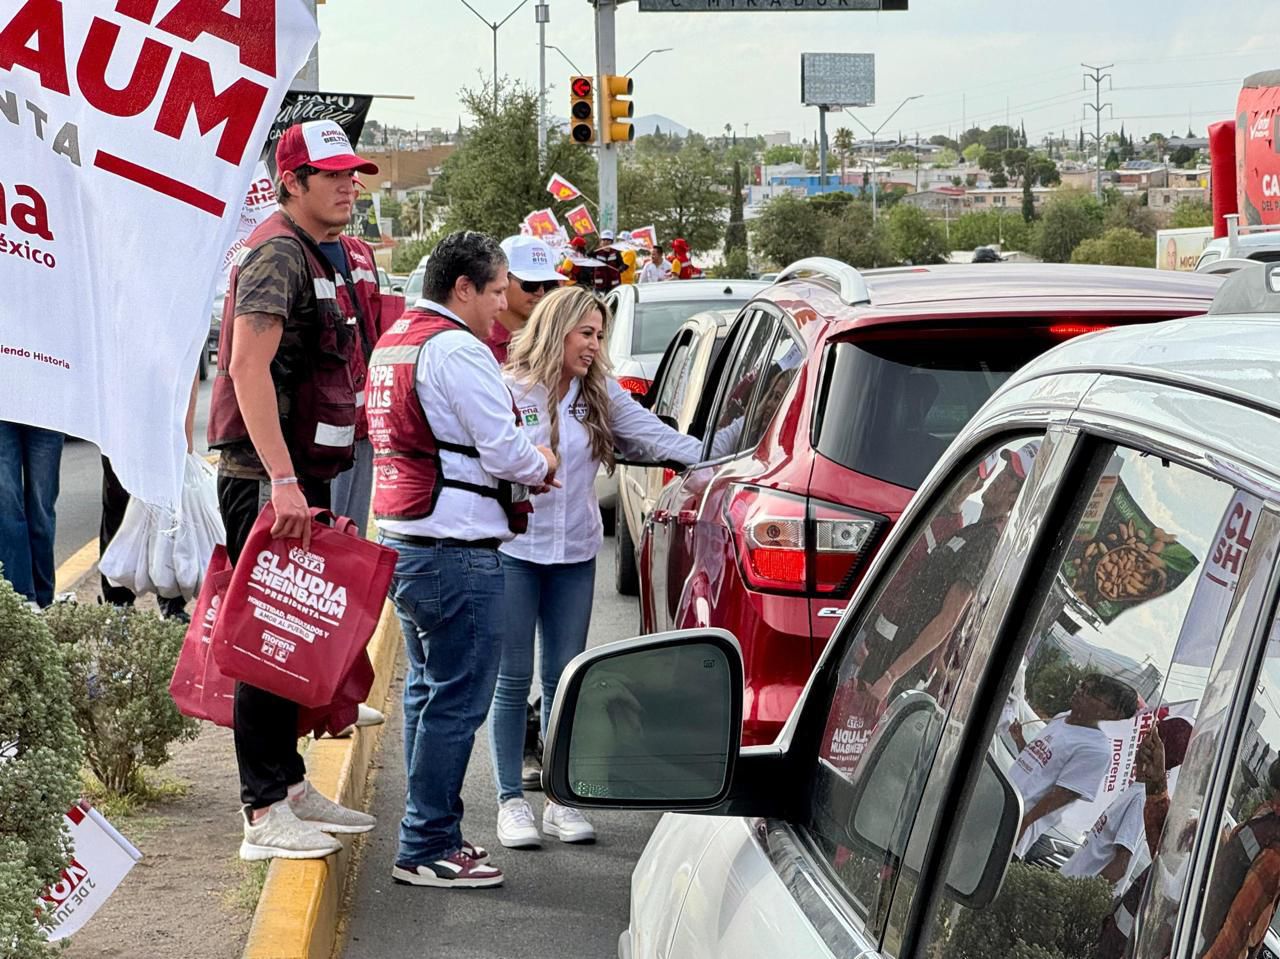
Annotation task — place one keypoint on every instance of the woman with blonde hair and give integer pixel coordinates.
(558, 372)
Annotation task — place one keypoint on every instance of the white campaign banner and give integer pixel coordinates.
(259, 203)
(129, 130)
(100, 860)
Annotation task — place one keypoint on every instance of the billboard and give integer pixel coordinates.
(1180, 249)
(838, 79)
(1258, 149)
(766, 6)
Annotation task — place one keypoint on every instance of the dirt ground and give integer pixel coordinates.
(189, 896)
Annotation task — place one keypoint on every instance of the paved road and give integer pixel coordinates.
(80, 491)
(560, 902)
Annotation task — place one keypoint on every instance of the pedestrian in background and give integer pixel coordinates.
(531, 273)
(559, 375)
(283, 416)
(655, 268)
(451, 472)
(30, 461)
(681, 261)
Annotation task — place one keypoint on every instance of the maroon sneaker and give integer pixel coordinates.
(477, 853)
(456, 871)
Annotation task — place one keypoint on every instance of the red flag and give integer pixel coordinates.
(646, 236)
(542, 223)
(562, 189)
(580, 219)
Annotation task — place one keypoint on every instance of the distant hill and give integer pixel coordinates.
(646, 125)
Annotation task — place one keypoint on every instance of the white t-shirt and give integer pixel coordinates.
(1073, 757)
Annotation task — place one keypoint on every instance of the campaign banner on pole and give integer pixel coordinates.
(100, 860)
(646, 236)
(562, 189)
(130, 133)
(348, 110)
(542, 223)
(580, 219)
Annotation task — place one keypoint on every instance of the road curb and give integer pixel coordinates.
(298, 912)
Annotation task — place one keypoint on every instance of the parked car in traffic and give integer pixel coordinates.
(645, 317)
(677, 387)
(1100, 546)
(833, 397)
(413, 286)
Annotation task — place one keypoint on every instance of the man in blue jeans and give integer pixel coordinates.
(451, 474)
(30, 460)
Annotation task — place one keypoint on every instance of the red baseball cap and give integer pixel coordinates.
(321, 144)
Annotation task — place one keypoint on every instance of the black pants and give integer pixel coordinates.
(115, 500)
(266, 725)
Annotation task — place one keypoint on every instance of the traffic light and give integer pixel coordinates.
(614, 111)
(582, 110)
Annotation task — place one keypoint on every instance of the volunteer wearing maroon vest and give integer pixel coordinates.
(448, 458)
(283, 416)
(532, 274)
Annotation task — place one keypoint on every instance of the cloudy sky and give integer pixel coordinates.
(1176, 63)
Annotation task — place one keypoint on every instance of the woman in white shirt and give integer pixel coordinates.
(558, 373)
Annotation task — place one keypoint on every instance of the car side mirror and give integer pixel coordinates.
(654, 722)
(902, 744)
(397, 289)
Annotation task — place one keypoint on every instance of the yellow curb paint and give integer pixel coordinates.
(70, 573)
(297, 915)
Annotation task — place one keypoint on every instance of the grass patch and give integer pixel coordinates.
(244, 895)
(150, 789)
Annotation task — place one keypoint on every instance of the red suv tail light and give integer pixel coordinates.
(788, 543)
(635, 384)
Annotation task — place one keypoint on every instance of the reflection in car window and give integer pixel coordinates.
(670, 393)
(739, 383)
(654, 323)
(910, 644)
(1119, 644)
(783, 365)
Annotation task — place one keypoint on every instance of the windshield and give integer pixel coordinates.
(891, 407)
(413, 288)
(656, 323)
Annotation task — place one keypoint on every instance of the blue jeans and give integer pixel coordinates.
(30, 460)
(556, 597)
(449, 601)
(351, 491)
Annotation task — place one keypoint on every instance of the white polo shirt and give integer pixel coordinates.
(565, 526)
(461, 391)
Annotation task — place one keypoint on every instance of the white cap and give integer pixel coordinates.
(529, 258)
(625, 235)
(606, 234)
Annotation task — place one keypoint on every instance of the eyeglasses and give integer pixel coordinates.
(533, 286)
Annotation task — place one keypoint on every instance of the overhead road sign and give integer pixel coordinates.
(764, 6)
(838, 79)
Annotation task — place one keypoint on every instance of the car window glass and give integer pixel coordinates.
(903, 655)
(784, 363)
(1119, 642)
(655, 322)
(738, 383)
(674, 373)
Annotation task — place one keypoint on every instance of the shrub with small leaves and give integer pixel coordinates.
(39, 771)
(120, 661)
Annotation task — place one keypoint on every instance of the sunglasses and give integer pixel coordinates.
(533, 286)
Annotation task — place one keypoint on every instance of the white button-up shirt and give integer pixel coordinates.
(466, 402)
(565, 526)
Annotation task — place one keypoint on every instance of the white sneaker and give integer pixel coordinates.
(567, 825)
(326, 815)
(365, 716)
(282, 835)
(517, 827)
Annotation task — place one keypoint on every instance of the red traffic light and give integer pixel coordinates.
(581, 87)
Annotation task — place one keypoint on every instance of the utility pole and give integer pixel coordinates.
(607, 153)
(1097, 76)
(542, 15)
(495, 27)
(822, 149)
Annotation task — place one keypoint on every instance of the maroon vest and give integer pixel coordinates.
(407, 473)
(318, 410)
(367, 313)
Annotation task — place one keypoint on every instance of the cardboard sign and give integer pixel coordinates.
(646, 236)
(580, 220)
(542, 223)
(130, 133)
(101, 859)
(562, 189)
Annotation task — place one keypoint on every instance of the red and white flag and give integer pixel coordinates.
(580, 219)
(542, 223)
(562, 189)
(101, 858)
(646, 236)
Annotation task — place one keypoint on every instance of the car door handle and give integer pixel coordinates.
(687, 517)
(661, 516)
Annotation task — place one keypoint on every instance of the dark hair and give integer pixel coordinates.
(477, 256)
(1120, 696)
(657, 248)
(303, 173)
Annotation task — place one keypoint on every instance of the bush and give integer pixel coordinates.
(120, 662)
(734, 267)
(1039, 914)
(39, 770)
(1069, 217)
(1119, 246)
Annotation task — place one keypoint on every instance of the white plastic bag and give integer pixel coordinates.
(126, 561)
(200, 526)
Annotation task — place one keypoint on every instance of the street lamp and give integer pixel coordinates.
(495, 27)
(646, 57)
(576, 69)
(874, 133)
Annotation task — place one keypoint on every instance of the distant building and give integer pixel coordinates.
(941, 201)
(401, 171)
(1001, 198)
(780, 139)
(1142, 174)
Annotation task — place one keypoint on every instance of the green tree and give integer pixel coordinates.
(493, 180)
(843, 143)
(409, 253)
(901, 158)
(1113, 160)
(681, 195)
(788, 229)
(1068, 218)
(1028, 201)
(851, 237)
(946, 157)
(939, 140)
(1182, 156)
(735, 237)
(971, 136)
(993, 162)
(912, 236)
(783, 153)
(1119, 246)
(989, 227)
(1129, 212)
(1000, 137)
(973, 153)
(1190, 213)
(1015, 164)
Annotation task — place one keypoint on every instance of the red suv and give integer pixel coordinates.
(834, 395)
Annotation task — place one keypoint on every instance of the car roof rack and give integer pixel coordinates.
(1254, 288)
(1237, 231)
(847, 281)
